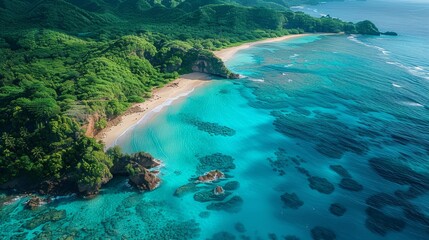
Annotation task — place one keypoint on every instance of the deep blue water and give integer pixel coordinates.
(304, 108)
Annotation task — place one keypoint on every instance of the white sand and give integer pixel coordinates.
(227, 53)
(161, 97)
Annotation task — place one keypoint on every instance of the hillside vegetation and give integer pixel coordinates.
(62, 61)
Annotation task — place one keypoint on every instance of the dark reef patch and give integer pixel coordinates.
(233, 205)
(240, 227)
(223, 236)
(291, 200)
(322, 233)
(337, 209)
(303, 171)
(322, 185)
(49, 216)
(395, 171)
(331, 137)
(283, 160)
(351, 185)
(210, 127)
(380, 223)
(291, 237)
(208, 196)
(216, 161)
(205, 214)
(340, 170)
(185, 189)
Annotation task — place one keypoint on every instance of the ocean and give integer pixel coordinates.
(324, 137)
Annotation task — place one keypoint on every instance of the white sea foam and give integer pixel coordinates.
(396, 85)
(416, 71)
(294, 55)
(13, 200)
(284, 74)
(63, 197)
(354, 39)
(412, 104)
(288, 65)
(256, 80)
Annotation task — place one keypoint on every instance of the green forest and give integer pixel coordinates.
(62, 61)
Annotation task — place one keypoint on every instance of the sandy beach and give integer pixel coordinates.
(227, 53)
(176, 89)
(161, 97)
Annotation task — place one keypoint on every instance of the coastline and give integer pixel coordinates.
(174, 90)
(146, 110)
(228, 53)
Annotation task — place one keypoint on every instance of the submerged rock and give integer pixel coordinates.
(205, 214)
(187, 188)
(350, 184)
(380, 223)
(223, 236)
(322, 185)
(233, 205)
(240, 227)
(340, 170)
(322, 233)
(291, 200)
(291, 237)
(211, 128)
(211, 176)
(337, 209)
(145, 180)
(208, 196)
(49, 216)
(218, 161)
(395, 171)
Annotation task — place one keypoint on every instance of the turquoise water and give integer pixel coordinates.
(302, 106)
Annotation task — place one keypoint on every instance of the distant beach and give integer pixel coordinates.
(170, 92)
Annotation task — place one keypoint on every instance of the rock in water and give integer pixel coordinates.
(188, 188)
(321, 233)
(145, 180)
(49, 216)
(340, 170)
(211, 176)
(291, 200)
(322, 185)
(218, 190)
(351, 185)
(337, 209)
(33, 203)
(210, 196)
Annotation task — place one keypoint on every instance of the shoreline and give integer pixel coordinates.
(162, 97)
(228, 53)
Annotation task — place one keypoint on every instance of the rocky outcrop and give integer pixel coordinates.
(211, 176)
(33, 203)
(91, 190)
(218, 190)
(140, 159)
(145, 180)
(206, 62)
